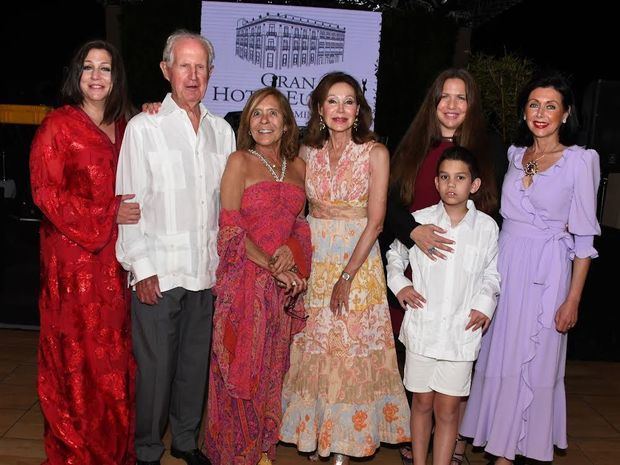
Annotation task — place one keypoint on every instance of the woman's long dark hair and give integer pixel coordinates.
(424, 134)
(117, 103)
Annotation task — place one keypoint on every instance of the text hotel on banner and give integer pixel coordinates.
(292, 47)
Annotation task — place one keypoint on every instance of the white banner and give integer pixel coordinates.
(289, 47)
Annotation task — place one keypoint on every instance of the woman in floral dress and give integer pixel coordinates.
(343, 393)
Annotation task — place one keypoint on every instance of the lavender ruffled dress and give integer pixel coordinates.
(517, 404)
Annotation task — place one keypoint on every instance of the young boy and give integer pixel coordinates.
(449, 304)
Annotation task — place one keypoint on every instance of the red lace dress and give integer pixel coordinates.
(252, 331)
(86, 374)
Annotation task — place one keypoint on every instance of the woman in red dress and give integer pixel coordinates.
(264, 249)
(86, 378)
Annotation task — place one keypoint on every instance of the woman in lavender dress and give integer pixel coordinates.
(517, 404)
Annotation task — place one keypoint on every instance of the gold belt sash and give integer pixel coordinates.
(337, 212)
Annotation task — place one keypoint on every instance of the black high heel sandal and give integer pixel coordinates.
(406, 455)
(459, 458)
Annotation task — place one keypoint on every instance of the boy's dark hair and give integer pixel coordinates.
(459, 153)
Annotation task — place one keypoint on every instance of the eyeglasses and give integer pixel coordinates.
(291, 310)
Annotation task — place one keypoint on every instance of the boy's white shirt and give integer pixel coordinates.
(467, 279)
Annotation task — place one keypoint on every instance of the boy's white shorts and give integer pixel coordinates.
(425, 374)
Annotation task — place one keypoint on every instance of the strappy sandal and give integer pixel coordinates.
(459, 458)
(406, 455)
(264, 459)
(340, 459)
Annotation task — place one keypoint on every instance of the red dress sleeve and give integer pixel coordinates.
(72, 193)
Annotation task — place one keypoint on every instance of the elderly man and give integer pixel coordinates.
(173, 162)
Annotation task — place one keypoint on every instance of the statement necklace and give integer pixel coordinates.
(531, 167)
(270, 166)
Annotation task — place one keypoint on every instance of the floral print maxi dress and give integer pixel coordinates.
(343, 392)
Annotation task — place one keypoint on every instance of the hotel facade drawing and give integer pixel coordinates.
(284, 41)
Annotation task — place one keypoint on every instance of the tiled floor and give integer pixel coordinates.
(593, 412)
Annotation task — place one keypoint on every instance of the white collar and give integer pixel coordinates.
(169, 106)
(469, 219)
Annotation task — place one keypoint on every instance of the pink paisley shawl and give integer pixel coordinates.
(251, 329)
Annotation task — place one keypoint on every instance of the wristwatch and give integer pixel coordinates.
(346, 276)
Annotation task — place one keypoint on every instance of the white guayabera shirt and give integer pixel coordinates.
(468, 279)
(175, 174)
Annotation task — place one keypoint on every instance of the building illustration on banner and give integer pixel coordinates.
(288, 47)
(284, 41)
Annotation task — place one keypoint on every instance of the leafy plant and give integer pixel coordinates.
(500, 79)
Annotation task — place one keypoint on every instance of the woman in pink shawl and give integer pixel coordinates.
(264, 248)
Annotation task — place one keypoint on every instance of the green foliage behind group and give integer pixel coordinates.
(500, 79)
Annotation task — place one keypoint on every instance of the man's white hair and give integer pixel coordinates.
(184, 34)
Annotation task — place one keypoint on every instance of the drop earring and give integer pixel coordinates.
(356, 123)
(321, 124)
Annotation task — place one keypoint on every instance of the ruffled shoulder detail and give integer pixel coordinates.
(588, 157)
(515, 155)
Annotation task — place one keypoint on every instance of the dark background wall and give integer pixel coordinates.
(39, 37)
